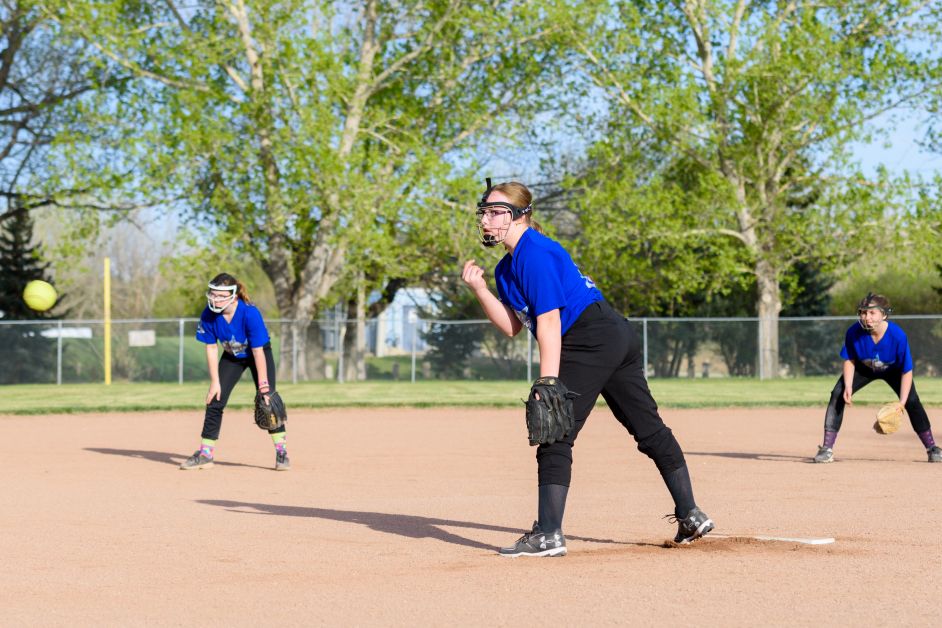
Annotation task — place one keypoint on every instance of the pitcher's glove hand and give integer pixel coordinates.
(549, 411)
(271, 415)
(888, 418)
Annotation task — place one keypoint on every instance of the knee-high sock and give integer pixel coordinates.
(552, 506)
(208, 447)
(678, 483)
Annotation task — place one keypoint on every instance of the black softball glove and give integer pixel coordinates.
(549, 411)
(272, 415)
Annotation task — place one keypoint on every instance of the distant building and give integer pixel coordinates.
(397, 328)
(393, 332)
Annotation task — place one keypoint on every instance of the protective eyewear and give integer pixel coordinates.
(491, 212)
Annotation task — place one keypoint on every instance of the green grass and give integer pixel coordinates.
(670, 393)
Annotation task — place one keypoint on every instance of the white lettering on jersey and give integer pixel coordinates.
(588, 280)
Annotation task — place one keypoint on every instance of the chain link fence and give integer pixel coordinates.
(165, 350)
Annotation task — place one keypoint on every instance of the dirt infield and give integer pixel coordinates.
(391, 517)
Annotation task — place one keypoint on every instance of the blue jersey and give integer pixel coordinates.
(890, 354)
(245, 332)
(539, 277)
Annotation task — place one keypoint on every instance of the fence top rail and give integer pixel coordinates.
(442, 321)
(97, 321)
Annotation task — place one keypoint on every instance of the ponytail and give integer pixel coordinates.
(243, 293)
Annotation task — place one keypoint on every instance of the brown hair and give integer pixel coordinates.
(519, 196)
(225, 279)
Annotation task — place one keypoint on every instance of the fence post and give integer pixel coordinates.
(415, 324)
(180, 360)
(59, 355)
(294, 352)
(759, 371)
(340, 343)
(644, 343)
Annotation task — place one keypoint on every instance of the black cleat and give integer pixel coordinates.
(281, 461)
(197, 461)
(691, 527)
(537, 543)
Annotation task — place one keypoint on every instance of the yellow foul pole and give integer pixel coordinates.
(107, 321)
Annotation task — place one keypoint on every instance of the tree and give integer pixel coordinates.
(32, 354)
(45, 73)
(303, 128)
(765, 99)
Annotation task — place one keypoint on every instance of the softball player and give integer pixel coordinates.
(231, 319)
(587, 345)
(875, 348)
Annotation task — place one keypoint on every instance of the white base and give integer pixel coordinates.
(785, 539)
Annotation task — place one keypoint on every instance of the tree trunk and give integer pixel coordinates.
(288, 355)
(768, 307)
(355, 338)
(314, 355)
(302, 351)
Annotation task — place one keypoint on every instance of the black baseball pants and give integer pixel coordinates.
(231, 369)
(601, 355)
(863, 375)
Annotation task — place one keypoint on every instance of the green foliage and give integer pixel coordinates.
(649, 240)
(197, 263)
(320, 138)
(725, 123)
(908, 285)
(47, 74)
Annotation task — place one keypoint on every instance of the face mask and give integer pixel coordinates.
(217, 304)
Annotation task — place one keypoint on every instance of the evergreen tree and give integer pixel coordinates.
(24, 346)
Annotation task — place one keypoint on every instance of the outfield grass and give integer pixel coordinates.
(670, 393)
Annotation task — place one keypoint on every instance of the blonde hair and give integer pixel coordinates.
(225, 279)
(519, 196)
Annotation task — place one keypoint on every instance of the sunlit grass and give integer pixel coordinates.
(669, 393)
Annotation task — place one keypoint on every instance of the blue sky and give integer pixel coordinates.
(901, 151)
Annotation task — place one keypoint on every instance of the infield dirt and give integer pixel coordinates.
(392, 517)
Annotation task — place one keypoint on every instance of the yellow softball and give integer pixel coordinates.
(39, 295)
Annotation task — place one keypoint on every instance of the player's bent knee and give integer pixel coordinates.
(554, 464)
(663, 449)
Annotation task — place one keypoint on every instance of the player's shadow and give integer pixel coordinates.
(742, 455)
(162, 457)
(410, 526)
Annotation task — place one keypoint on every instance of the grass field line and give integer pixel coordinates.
(669, 393)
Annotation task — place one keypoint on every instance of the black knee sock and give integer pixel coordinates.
(552, 506)
(678, 483)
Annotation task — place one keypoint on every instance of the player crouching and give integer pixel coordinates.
(876, 349)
